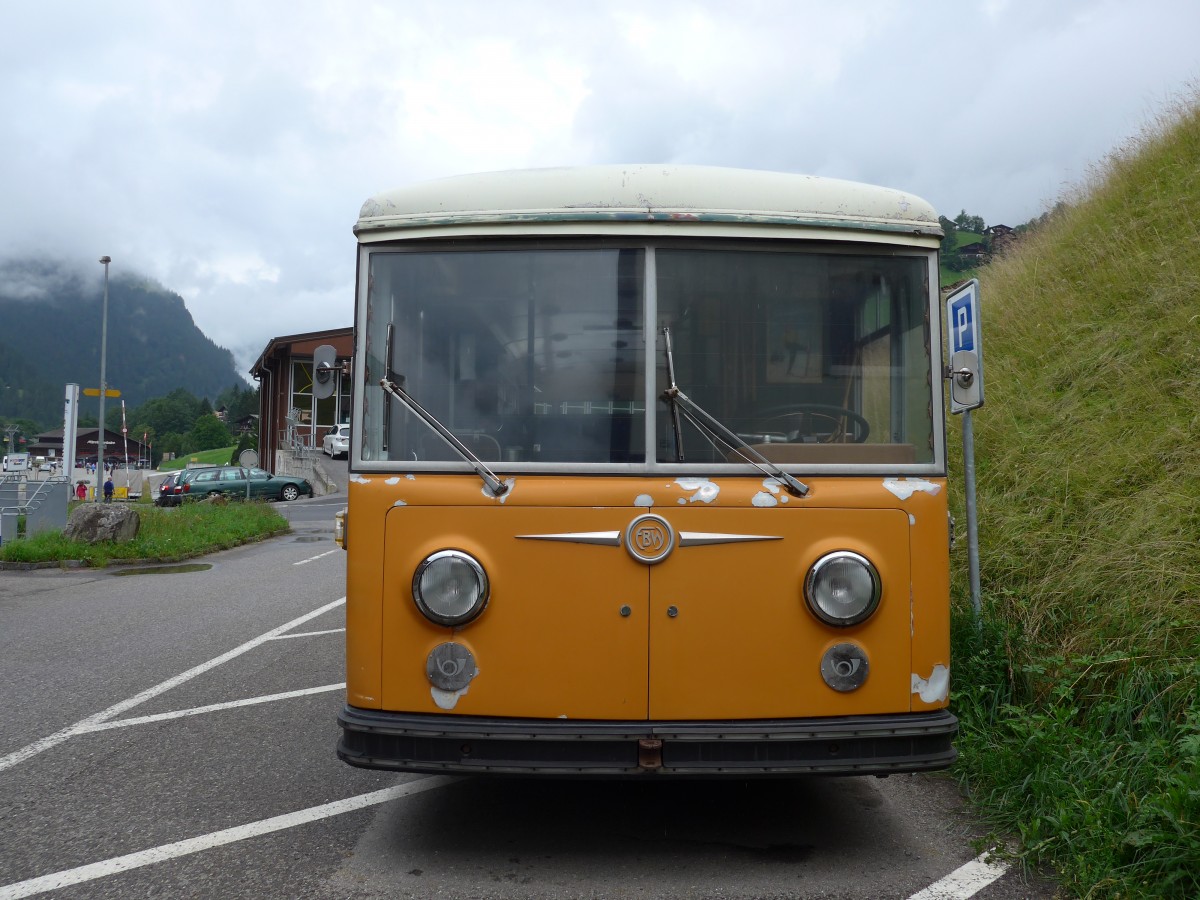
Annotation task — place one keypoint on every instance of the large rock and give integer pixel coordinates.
(95, 522)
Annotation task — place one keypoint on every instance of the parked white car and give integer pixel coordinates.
(337, 442)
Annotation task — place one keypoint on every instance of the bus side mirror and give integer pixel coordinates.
(966, 388)
(324, 359)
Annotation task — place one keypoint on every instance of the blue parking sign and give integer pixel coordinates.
(962, 323)
(965, 371)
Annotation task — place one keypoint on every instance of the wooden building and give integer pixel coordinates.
(292, 419)
(116, 445)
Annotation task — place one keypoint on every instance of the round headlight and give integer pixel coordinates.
(450, 587)
(842, 588)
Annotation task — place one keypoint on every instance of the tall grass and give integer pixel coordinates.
(1081, 730)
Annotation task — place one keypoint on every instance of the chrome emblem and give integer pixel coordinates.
(450, 667)
(649, 539)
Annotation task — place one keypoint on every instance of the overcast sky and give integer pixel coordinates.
(224, 148)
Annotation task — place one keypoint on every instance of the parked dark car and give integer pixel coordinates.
(166, 490)
(230, 481)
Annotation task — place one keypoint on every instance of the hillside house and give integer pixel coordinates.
(1001, 238)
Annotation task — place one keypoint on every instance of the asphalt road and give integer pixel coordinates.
(172, 734)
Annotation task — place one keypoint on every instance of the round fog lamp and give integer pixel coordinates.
(450, 587)
(842, 588)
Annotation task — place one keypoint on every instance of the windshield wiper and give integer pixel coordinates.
(671, 394)
(715, 431)
(389, 386)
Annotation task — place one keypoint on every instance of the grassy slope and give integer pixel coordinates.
(220, 456)
(1080, 698)
(961, 238)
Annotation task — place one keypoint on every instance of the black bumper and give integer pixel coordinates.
(850, 745)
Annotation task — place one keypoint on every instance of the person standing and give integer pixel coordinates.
(108, 489)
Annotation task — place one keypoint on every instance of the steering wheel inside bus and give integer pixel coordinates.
(817, 422)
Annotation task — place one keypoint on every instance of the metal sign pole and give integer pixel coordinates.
(248, 459)
(104, 261)
(968, 443)
(70, 433)
(965, 375)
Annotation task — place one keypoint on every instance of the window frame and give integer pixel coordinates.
(651, 244)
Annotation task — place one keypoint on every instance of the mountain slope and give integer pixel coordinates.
(50, 322)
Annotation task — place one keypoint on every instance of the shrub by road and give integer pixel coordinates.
(166, 535)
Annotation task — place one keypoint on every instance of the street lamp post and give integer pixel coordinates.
(104, 260)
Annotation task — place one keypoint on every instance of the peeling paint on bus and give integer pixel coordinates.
(705, 490)
(907, 487)
(447, 699)
(934, 689)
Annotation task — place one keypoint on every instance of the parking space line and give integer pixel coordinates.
(214, 707)
(118, 864)
(284, 637)
(965, 881)
(318, 556)
(84, 725)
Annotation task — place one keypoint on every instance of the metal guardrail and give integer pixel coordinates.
(297, 438)
(42, 503)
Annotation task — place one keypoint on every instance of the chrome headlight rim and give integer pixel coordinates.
(483, 588)
(811, 586)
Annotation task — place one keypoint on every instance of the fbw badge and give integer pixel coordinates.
(649, 538)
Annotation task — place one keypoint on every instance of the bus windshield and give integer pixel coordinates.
(541, 355)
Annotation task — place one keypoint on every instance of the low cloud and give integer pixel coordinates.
(225, 148)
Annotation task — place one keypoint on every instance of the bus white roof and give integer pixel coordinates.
(652, 194)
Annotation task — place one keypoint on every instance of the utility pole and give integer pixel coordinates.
(104, 260)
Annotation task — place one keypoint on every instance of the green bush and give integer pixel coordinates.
(1092, 762)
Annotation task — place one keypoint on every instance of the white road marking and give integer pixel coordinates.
(962, 883)
(318, 556)
(187, 847)
(84, 725)
(199, 710)
(284, 637)
(965, 881)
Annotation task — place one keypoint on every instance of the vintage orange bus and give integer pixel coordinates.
(647, 478)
